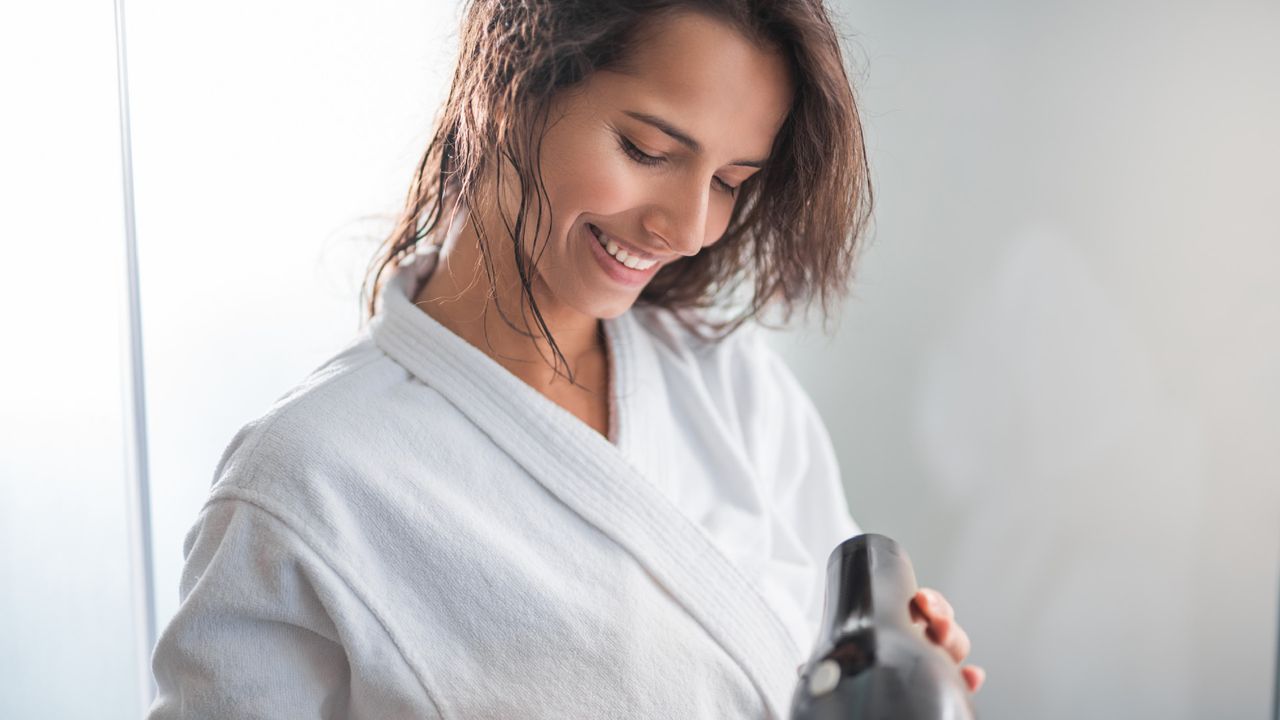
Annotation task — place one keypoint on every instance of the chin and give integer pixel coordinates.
(608, 310)
(613, 314)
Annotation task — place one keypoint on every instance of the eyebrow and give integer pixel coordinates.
(682, 137)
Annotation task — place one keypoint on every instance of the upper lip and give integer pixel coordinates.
(632, 251)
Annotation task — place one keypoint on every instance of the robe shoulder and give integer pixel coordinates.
(358, 424)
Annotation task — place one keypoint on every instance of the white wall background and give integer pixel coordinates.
(1056, 382)
(65, 606)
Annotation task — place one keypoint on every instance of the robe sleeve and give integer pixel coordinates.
(255, 634)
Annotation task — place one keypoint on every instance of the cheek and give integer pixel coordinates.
(582, 178)
(598, 189)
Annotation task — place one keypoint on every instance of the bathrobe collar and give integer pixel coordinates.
(610, 482)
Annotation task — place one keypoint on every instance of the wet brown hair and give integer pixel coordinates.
(796, 224)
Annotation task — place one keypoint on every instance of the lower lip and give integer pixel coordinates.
(622, 274)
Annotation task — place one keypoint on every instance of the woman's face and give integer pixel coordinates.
(704, 105)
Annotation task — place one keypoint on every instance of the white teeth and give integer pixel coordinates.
(621, 255)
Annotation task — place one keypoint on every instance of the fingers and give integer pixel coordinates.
(958, 643)
(916, 614)
(924, 608)
(930, 607)
(934, 609)
(974, 676)
(933, 604)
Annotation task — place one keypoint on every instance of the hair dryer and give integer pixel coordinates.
(871, 662)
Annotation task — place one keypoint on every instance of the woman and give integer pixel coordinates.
(439, 523)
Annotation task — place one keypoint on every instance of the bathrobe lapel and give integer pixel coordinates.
(601, 481)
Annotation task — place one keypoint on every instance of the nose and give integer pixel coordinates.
(680, 219)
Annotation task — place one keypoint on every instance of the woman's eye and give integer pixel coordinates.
(644, 158)
(731, 189)
(636, 154)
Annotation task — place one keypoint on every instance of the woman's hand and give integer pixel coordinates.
(930, 607)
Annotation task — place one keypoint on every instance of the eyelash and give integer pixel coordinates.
(644, 158)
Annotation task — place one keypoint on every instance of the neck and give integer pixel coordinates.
(459, 295)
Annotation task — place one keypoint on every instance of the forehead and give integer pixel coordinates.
(705, 76)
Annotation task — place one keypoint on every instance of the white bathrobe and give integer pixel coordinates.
(413, 532)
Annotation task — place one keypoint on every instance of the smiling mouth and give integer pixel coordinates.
(621, 253)
(625, 254)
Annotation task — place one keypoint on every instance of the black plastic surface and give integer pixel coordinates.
(888, 668)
